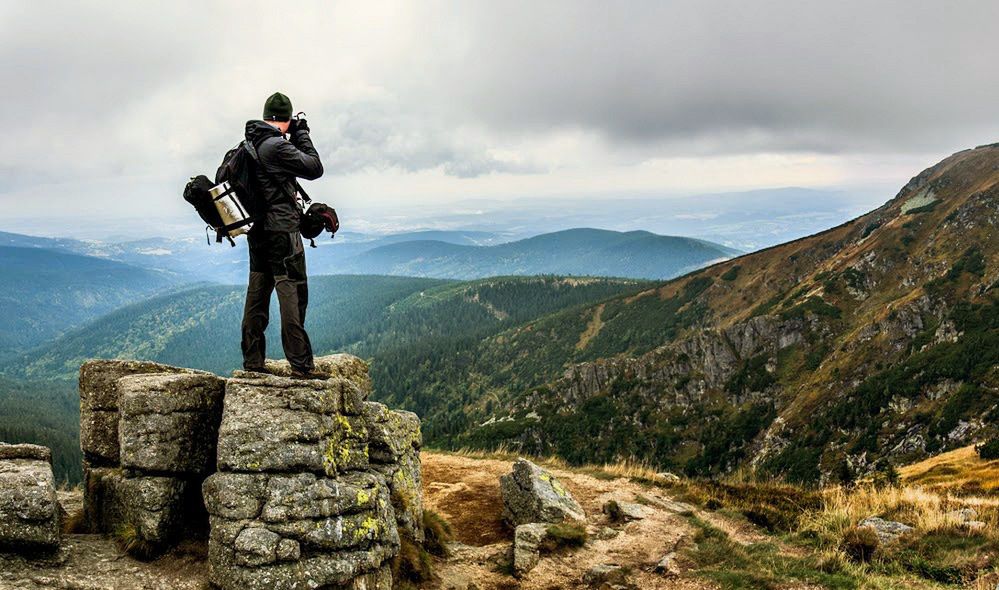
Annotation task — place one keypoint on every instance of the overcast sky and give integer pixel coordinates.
(110, 106)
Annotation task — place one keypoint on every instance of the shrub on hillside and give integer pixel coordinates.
(988, 450)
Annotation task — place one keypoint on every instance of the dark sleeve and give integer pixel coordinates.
(299, 159)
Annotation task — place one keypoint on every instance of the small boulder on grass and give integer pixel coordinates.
(532, 494)
(886, 530)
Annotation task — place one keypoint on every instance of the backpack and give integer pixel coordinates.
(238, 169)
(235, 182)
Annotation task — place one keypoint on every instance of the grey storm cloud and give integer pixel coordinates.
(113, 88)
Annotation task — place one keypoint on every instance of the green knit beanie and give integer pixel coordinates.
(277, 108)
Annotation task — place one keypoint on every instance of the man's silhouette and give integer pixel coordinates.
(277, 256)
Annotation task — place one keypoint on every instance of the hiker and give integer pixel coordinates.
(277, 255)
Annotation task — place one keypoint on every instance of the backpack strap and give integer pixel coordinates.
(252, 150)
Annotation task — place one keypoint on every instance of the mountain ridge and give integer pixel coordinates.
(887, 276)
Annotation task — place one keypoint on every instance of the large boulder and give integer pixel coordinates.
(100, 400)
(168, 422)
(279, 424)
(344, 366)
(532, 494)
(29, 510)
(148, 432)
(309, 477)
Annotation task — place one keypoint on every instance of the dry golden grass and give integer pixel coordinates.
(960, 471)
(627, 469)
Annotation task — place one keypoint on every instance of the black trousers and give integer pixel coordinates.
(277, 261)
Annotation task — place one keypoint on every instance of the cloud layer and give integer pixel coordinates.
(475, 89)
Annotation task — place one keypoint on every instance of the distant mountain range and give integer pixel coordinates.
(431, 253)
(44, 292)
(579, 252)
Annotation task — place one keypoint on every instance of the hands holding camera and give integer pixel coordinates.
(298, 124)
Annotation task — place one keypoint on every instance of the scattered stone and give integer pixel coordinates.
(963, 515)
(667, 566)
(668, 478)
(623, 511)
(532, 494)
(29, 509)
(886, 530)
(673, 506)
(527, 539)
(606, 575)
(605, 533)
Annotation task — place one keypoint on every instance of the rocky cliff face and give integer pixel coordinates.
(306, 484)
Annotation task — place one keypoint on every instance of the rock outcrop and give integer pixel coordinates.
(29, 510)
(306, 484)
(147, 432)
(532, 494)
(295, 502)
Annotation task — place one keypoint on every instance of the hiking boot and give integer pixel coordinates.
(310, 374)
(263, 370)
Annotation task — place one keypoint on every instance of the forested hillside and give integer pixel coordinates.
(45, 412)
(419, 333)
(45, 292)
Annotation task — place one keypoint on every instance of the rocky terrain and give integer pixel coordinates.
(642, 530)
(824, 359)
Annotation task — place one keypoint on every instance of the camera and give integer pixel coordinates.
(298, 122)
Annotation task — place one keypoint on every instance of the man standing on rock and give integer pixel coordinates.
(277, 255)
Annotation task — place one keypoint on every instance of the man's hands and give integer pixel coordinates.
(297, 125)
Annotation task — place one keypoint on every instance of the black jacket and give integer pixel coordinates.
(281, 162)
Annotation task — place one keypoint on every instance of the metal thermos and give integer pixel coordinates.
(234, 215)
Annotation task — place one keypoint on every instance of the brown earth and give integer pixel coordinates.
(466, 491)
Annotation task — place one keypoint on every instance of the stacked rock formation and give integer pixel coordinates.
(313, 482)
(148, 437)
(303, 483)
(29, 510)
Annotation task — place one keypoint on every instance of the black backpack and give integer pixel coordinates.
(239, 170)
